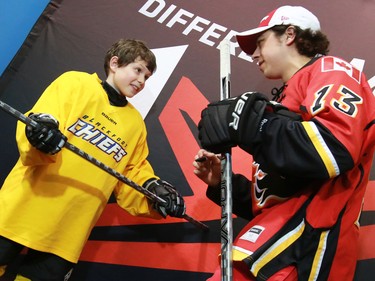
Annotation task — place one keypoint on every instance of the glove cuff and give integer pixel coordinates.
(150, 183)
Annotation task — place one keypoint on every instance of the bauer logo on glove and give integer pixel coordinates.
(231, 122)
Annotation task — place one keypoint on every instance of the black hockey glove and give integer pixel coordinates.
(175, 206)
(230, 122)
(213, 127)
(46, 137)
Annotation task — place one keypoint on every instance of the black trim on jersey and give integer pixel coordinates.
(284, 148)
(287, 257)
(303, 251)
(368, 126)
(339, 151)
(113, 96)
(362, 173)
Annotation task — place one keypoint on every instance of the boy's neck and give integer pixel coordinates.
(114, 97)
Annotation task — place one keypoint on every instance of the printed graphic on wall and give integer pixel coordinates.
(184, 35)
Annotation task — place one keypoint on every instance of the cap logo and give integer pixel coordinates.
(263, 19)
(284, 18)
(266, 20)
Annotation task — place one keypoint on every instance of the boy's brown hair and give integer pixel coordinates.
(127, 51)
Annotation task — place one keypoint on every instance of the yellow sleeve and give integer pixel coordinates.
(138, 170)
(51, 101)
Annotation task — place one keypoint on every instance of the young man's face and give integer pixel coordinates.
(270, 54)
(130, 79)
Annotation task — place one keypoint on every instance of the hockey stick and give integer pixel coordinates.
(28, 121)
(226, 175)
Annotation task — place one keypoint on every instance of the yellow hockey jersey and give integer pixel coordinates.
(50, 203)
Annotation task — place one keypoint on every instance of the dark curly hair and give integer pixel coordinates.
(127, 51)
(308, 42)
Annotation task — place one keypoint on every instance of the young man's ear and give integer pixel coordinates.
(290, 33)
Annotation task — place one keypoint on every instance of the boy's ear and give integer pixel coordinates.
(113, 62)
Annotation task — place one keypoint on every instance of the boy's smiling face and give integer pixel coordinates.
(129, 79)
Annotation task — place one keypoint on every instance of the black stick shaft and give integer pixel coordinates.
(153, 197)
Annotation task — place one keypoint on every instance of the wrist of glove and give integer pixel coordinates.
(231, 122)
(46, 137)
(175, 204)
(283, 111)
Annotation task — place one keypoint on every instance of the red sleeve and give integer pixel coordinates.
(335, 96)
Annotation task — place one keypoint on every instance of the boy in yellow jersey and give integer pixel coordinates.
(51, 199)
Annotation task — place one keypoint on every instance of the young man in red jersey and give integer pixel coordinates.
(312, 149)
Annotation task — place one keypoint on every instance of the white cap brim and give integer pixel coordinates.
(248, 39)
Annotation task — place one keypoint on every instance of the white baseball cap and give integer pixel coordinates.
(285, 15)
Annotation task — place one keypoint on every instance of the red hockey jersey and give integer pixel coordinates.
(310, 175)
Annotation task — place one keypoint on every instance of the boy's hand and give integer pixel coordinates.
(46, 137)
(175, 206)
